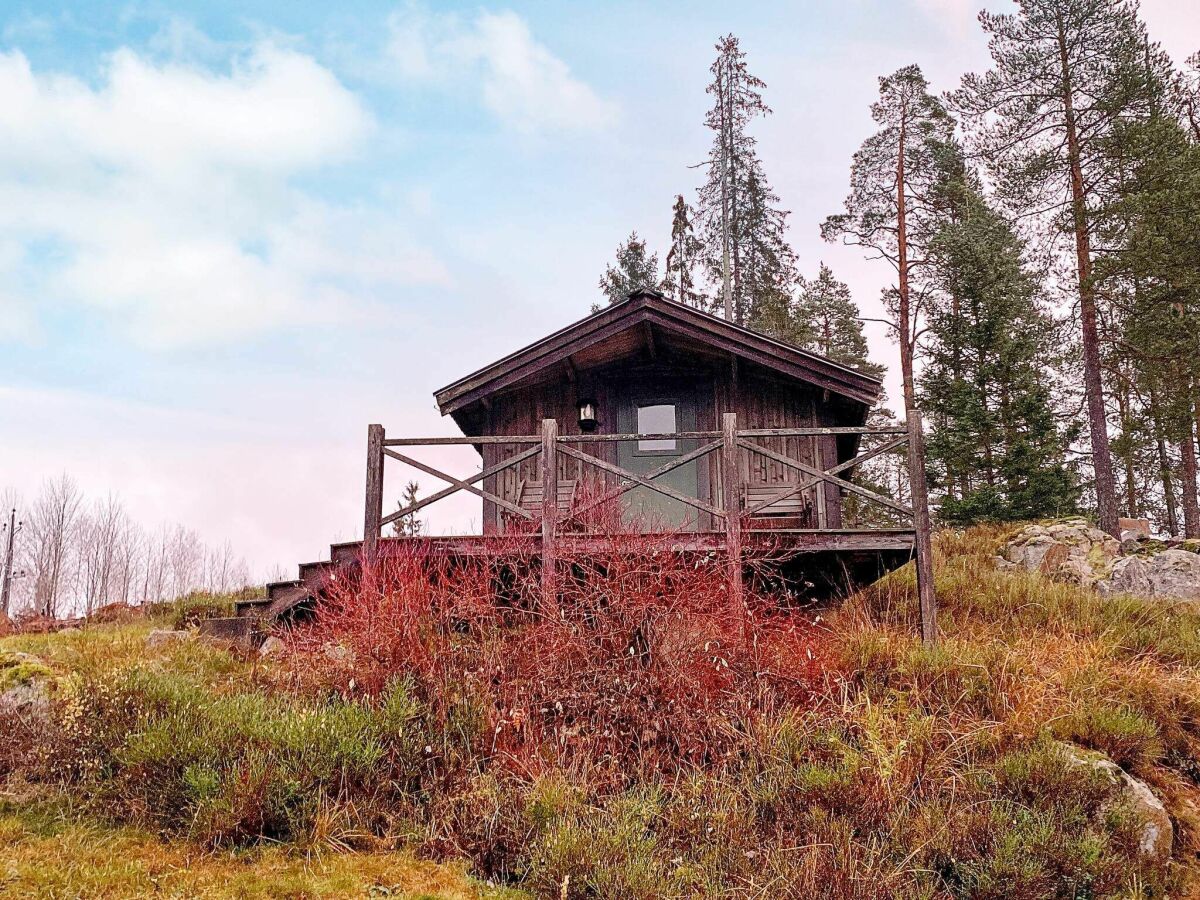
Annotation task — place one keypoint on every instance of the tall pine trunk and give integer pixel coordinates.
(1191, 509)
(1129, 453)
(916, 437)
(1187, 450)
(1164, 463)
(1106, 497)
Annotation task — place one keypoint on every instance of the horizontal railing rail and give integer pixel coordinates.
(727, 511)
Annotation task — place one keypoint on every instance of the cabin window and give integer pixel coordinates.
(656, 419)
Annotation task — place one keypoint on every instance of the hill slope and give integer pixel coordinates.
(973, 769)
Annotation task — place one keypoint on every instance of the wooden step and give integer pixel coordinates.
(276, 586)
(251, 607)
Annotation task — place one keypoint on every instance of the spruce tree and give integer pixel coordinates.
(1065, 72)
(744, 252)
(995, 448)
(828, 322)
(635, 268)
(679, 282)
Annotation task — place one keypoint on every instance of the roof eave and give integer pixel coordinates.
(793, 361)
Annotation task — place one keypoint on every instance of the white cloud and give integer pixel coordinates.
(519, 80)
(168, 190)
(956, 18)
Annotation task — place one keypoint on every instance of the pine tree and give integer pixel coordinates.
(891, 211)
(410, 525)
(995, 448)
(744, 252)
(1152, 274)
(829, 323)
(635, 268)
(1065, 72)
(1187, 89)
(679, 281)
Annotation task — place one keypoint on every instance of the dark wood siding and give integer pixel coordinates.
(760, 401)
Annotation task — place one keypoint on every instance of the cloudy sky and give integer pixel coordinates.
(232, 234)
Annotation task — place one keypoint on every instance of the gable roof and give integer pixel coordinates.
(672, 317)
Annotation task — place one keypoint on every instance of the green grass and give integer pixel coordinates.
(48, 849)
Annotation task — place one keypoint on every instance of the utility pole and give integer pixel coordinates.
(13, 527)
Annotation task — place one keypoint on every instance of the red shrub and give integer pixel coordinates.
(647, 661)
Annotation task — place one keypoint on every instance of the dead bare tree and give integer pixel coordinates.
(52, 520)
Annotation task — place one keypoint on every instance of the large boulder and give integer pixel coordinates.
(1158, 833)
(1072, 550)
(1170, 575)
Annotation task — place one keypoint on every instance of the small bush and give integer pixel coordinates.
(228, 769)
(643, 665)
(1127, 737)
(192, 609)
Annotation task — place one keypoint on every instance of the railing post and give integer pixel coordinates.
(731, 481)
(549, 515)
(374, 502)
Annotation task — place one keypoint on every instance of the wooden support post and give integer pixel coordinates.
(923, 527)
(549, 515)
(731, 479)
(374, 502)
(820, 495)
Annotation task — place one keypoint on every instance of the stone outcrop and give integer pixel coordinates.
(1077, 552)
(1170, 575)
(1072, 550)
(1158, 833)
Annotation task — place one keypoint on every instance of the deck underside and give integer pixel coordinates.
(828, 562)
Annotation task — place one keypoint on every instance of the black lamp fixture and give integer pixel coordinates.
(587, 415)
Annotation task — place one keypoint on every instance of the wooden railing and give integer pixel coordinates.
(730, 510)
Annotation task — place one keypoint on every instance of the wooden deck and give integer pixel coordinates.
(743, 514)
(869, 551)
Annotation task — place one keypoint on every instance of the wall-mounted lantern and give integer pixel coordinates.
(587, 415)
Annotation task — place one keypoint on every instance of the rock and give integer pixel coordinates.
(25, 683)
(1072, 550)
(1171, 575)
(272, 646)
(160, 638)
(338, 653)
(31, 698)
(1158, 833)
(1134, 529)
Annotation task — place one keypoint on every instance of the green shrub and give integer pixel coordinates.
(237, 767)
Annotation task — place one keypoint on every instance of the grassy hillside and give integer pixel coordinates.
(60, 836)
(643, 745)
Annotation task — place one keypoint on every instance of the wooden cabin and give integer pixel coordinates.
(675, 421)
(651, 366)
